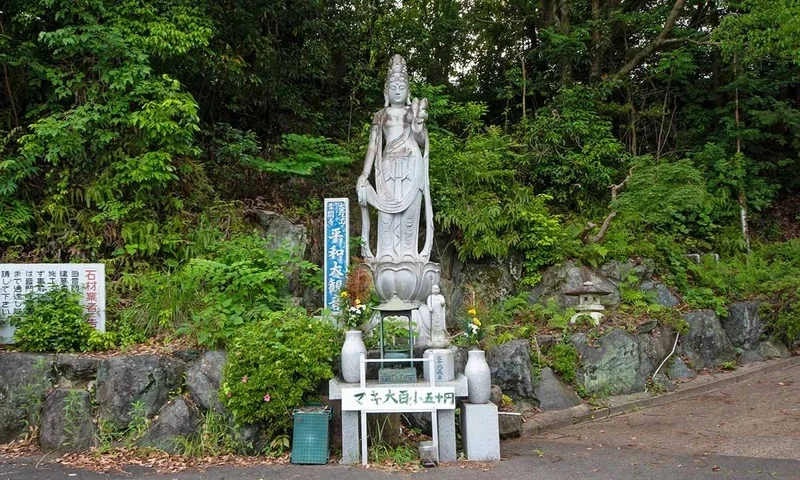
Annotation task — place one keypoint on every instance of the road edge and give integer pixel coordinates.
(547, 421)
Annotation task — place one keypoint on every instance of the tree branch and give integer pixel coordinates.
(603, 227)
(701, 41)
(606, 221)
(615, 188)
(642, 54)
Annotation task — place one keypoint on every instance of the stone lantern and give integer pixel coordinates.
(588, 302)
(397, 308)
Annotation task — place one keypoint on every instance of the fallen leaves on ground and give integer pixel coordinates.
(117, 459)
(20, 448)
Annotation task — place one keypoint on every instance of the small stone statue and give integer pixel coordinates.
(436, 306)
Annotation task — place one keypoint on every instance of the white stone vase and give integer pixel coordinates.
(479, 377)
(351, 356)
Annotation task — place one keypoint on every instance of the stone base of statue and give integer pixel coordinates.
(411, 281)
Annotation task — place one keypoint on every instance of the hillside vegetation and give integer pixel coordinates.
(140, 133)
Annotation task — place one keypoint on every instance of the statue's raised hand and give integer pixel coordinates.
(419, 108)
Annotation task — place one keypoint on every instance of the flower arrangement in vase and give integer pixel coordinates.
(353, 315)
(477, 371)
(355, 301)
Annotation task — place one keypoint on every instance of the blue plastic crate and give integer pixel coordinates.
(311, 435)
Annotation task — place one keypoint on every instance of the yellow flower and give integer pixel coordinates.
(344, 293)
(472, 311)
(476, 321)
(358, 301)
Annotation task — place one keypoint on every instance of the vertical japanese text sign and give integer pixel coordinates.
(337, 255)
(18, 279)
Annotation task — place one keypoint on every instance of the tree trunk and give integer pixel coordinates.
(564, 29)
(742, 197)
(547, 9)
(596, 51)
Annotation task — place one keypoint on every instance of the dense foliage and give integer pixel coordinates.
(138, 133)
(122, 121)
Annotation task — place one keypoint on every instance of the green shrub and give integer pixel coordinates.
(52, 321)
(783, 317)
(274, 365)
(565, 361)
(684, 208)
(705, 298)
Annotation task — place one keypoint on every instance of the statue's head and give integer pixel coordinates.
(435, 289)
(396, 89)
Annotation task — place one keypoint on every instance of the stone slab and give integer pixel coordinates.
(480, 432)
(351, 447)
(447, 435)
(510, 424)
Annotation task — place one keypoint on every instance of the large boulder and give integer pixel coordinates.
(743, 325)
(553, 394)
(677, 370)
(611, 366)
(178, 419)
(66, 423)
(556, 280)
(283, 233)
(123, 381)
(74, 368)
(750, 356)
(706, 344)
(203, 379)
(660, 294)
(490, 282)
(24, 381)
(624, 270)
(510, 364)
(773, 349)
(654, 346)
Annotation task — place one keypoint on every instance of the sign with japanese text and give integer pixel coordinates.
(396, 399)
(337, 255)
(18, 279)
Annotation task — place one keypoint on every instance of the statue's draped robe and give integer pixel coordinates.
(401, 183)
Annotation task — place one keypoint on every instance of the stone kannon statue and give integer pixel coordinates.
(398, 151)
(398, 156)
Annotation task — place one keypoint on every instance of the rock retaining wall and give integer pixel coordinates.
(72, 398)
(69, 397)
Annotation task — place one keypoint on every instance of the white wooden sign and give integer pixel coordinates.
(18, 279)
(398, 399)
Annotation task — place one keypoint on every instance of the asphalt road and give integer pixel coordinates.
(746, 431)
